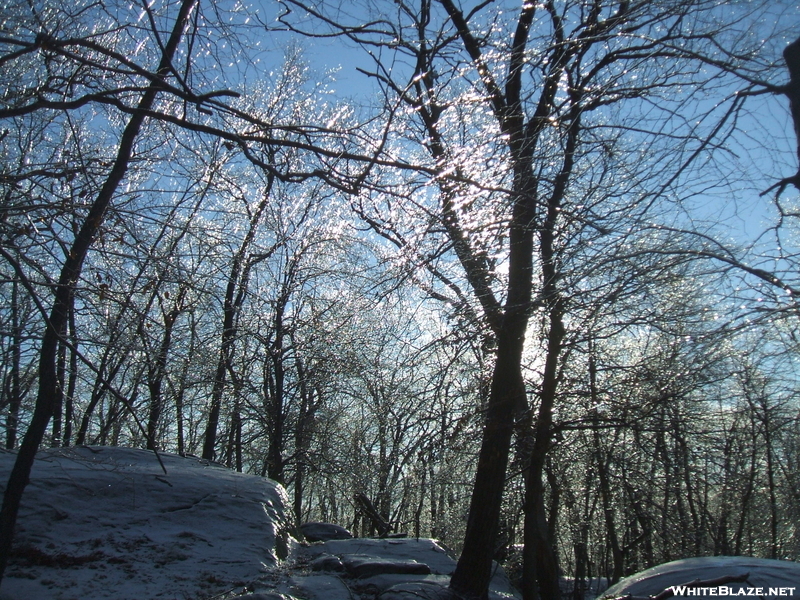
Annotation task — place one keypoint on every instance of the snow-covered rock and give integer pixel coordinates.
(322, 532)
(769, 575)
(108, 523)
(391, 569)
(423, 550)
(326, 562)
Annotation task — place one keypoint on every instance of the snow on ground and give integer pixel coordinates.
(774, 577)
(101, 523)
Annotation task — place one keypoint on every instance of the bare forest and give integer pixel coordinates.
(523, 274)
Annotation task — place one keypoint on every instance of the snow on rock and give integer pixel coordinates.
(763, 573)
(108, 523)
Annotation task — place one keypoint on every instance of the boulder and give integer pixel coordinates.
(328, 563)
(369, 566)
(322, 532)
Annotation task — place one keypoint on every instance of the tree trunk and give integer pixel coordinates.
(473, 571)
(58, 404)
(225, 348)
(769, 454)
(15, 396)
(180, 394)
(310, 399)
(73, 381)
(791, 55)
(276, 415)
(157, 372)
(581, 550)
(539, 562)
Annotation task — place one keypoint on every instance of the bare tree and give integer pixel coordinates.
(545, 132)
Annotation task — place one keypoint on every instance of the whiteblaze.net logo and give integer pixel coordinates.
(725, 591)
